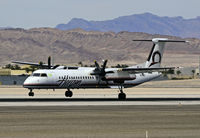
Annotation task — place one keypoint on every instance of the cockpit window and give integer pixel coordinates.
(43, 75)
(39, 74)
(36, 74)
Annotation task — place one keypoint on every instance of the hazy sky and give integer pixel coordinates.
(49, 13)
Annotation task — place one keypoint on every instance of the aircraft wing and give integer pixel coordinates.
(146, 70)
(46, 66)
(29, 63)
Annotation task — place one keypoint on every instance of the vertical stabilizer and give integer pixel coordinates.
(155, 56)
(156, 53)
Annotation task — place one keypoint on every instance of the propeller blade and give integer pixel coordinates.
(54, 67)
(104, 65)
(41, 63)
(97, 65)
(49, 62)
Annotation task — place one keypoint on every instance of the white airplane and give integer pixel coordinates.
(61, 77)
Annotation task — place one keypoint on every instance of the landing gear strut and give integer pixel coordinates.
(68, 93)
(31, 93)
(122, 95)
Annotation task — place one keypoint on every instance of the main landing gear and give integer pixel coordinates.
(68, 93)
(31, 93)
(122, 95)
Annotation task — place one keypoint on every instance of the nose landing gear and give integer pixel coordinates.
(31, 93)
(122, 95)
(68, 93)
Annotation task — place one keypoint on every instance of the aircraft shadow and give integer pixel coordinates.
(92, 99)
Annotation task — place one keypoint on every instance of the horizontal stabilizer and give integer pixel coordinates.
(163, 40)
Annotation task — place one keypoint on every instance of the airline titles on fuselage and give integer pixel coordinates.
(67, 81)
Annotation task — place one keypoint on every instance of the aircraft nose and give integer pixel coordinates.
(27, 82)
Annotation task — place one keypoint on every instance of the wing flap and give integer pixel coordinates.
(146, 70)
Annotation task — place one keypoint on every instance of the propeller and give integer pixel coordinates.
(48, 65)
(45, 66)
(41, 64)
(100, 70)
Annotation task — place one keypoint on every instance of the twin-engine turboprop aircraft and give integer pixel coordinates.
(61, 77)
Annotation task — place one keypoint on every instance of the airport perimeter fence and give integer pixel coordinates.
(12, 79)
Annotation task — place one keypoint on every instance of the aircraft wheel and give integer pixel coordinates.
(68, 93)
(31, 94)
(122, 96)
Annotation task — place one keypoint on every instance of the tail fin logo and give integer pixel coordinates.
(156, 58)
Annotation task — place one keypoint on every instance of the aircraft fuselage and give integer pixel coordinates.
(82, 78)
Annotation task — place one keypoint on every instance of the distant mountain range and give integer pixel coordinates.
(147, 22)
(71, 47)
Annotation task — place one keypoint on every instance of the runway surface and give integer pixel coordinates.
(163, 121)
(135, 96)
(182, 92)
(156, 112)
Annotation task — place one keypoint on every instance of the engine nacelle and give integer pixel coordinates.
(120, 77)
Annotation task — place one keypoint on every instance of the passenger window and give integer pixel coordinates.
(36, 74)
(43, 75)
